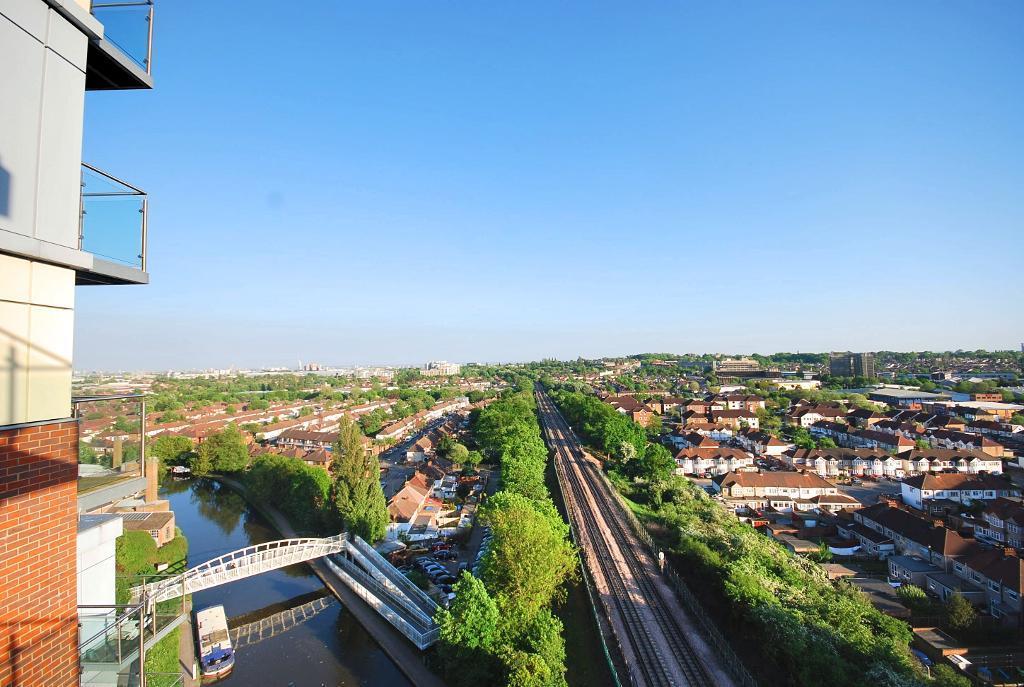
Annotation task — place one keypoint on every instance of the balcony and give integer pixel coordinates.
(111, 450)
(112, 228)
(123, 57)
(113, 639)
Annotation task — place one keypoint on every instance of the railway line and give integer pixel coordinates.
(658, 642)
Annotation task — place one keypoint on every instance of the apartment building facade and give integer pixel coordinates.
(63, 224)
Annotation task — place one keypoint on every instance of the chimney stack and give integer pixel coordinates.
(152, 470)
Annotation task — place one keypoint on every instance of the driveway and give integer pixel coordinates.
(868, 492)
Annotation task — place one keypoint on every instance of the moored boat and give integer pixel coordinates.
(216, 656)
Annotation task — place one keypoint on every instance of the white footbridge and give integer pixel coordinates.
(363, 570)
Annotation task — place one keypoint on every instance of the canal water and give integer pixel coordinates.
(328, 650)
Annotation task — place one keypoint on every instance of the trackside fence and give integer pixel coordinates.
(591, 595)
(730, 661)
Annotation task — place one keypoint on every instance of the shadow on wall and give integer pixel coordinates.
(11, 366)
(5, 191)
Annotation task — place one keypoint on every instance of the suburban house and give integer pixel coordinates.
(422, 448)
(805, 415)
(911, 570)
(864, 417)
(928, 492)
(306, 439)
(762, 443)
(736, 419)
(712, 460)
(750, 403)
(412, 508)
(832, 462)
(973, 461)
(947, 438)
(782, 491)
(1000, 574)
(1002, 522)
(905, 533)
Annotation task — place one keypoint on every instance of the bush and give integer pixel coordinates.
(915, 598)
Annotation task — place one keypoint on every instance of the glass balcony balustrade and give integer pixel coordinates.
(129, 27)
(112, 224)
(111, 453)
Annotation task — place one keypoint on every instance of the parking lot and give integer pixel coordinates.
(458, 553)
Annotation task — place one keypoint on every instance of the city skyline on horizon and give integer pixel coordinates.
(327, 366)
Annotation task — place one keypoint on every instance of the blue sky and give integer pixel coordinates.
(393, 182)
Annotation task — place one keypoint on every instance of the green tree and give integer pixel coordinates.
(86, 453)
(530, 555)
(826, 442)
(356, 490)
(200, 464)
(445, 445)
(171, 449)
(458, 454)
(1017, 419)
(472, 620)
(960, 614)
(654, 426)
(468, 632)
(225, 450)
(656, 464)
(472, 460)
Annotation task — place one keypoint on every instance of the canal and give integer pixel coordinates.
(327, 650)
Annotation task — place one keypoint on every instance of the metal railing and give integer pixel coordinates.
(120, 633)
(711, 634)
(112, 445)
(113, 218)
(129, 26)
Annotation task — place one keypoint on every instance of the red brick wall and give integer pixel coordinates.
(38, 579)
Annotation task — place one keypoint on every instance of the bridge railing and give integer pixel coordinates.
(241, 563)
(374, 594)
(418, 600)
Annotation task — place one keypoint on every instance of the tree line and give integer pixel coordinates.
(500, 629)
(349, 498)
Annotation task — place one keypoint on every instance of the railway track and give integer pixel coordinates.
(643, 617)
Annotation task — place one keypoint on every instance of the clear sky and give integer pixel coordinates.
(391, 182)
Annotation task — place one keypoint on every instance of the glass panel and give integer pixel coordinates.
(126, 25)
(113, 217)
(107, 634)
(110, 440)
